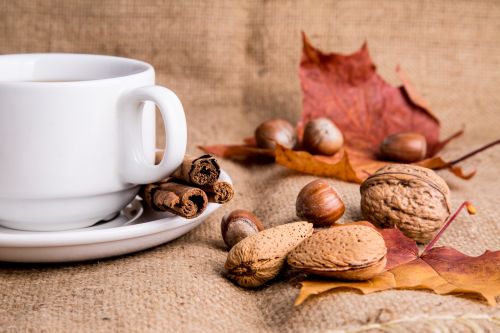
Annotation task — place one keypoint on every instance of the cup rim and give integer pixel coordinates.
(146, 67)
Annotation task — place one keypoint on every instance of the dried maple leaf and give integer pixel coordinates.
(306, 163)
(243, 152)
(351, 165)
(238, 152)
(443, 270)
(348, 90)
(381, 282)
(463, 274)
(400, 249)
(347, 165)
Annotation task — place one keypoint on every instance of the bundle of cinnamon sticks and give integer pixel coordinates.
(190, 188)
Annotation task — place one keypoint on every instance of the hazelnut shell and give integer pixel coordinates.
(322, 137)
(404, 147)
(238, 225)
(319, 203)
(275, 131)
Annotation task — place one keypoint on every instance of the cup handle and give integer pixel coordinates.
(136, 169)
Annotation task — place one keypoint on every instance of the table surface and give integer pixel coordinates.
(233, 65)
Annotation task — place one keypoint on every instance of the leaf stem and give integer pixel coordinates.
(474, 152)
(470, 209)
(446, 141)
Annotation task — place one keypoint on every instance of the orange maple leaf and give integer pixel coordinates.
(443, 270)
(348, 90)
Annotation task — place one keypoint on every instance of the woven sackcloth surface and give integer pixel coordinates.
(234, 64)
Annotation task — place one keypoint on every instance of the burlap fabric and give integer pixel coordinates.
(234, 64)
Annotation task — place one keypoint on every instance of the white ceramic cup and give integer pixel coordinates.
(77, 136)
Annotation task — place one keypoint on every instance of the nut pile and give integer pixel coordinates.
(411, 198)
(408, 197)
(321, 136)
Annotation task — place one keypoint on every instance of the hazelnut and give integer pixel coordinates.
(322, 137)
(319, 203)
(275, 131)
(238, 225)
(406, 147)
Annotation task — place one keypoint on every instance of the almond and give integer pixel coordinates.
(259, 258)
(349, 252)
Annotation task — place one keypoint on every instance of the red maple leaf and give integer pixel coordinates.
(348, 90)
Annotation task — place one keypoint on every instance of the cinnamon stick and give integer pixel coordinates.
(220, 192)
(179, 199)
(202, 170)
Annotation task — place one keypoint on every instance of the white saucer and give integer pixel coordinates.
(134, 229)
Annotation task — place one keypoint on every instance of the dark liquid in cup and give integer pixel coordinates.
(54, 80)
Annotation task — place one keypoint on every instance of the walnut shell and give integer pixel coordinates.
(348, 252)
(412, 198)
(259, 258)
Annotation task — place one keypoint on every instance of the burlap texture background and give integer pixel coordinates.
(234, 64)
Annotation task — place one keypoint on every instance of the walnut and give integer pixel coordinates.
(411, 198)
